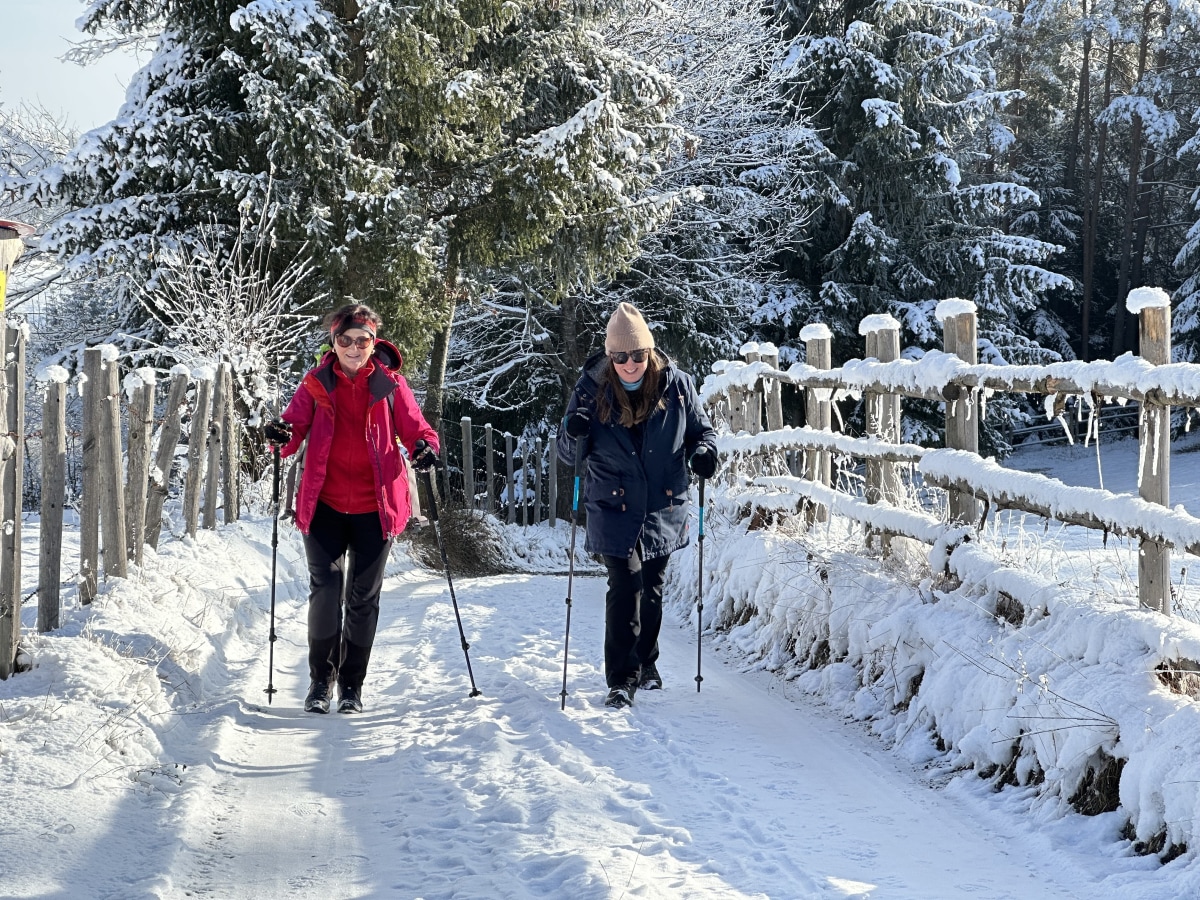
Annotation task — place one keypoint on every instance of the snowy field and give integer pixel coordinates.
(140, 759)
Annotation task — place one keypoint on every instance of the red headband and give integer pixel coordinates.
(353, 322)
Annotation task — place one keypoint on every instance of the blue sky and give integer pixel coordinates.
(33, 35)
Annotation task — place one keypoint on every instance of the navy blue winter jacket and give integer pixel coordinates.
(631, 496)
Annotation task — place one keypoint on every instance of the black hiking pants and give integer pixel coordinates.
(632, 616)
(346, 554)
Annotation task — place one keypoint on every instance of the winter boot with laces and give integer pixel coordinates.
(351, 700)
(650, 680)
(317, 700)
(620, 697)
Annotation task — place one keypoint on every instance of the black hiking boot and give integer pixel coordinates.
(317, 700)
(351, 700)
(620, 697)
(650, 680)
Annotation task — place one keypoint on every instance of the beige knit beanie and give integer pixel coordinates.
(627, 331)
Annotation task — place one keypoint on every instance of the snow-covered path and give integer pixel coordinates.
(735, 792)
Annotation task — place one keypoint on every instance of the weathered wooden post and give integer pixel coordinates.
(489, 466)
(54, 483)
(141, 386)
(12, 246)
(16, 339)
(552, 480)
(89, 513)
(468, 464)
(112, 485)
(537, 480)
(511, 517)
(882, 333)
(959, 336)
(1152, 306)
(753, 399)
(164, 459)
(197, 437)
(818, 408)
(230, 447)
(216, 438)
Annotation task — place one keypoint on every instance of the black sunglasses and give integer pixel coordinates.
(621, 357)
(362, 343)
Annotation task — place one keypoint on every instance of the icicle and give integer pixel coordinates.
(1062, 420)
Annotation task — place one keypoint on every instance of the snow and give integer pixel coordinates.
(878, 322)
(141, 759)
(953, 306)
(815, 332)
(1147, 298)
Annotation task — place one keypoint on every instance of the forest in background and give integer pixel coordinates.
(495, 176)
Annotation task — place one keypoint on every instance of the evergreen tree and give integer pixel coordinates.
(417, 149)
(738, 177)
(905, 96)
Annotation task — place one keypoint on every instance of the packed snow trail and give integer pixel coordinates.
(735, 792)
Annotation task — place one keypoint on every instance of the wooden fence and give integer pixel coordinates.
(513, 478)
(793, 465)
(125, 482)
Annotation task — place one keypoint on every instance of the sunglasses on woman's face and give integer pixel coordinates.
(621, 357)
(362, 343)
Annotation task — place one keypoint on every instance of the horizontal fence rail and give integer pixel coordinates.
(745, 397)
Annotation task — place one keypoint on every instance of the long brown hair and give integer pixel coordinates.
(632, 407)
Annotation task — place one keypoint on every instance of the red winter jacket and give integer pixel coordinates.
(312, 413)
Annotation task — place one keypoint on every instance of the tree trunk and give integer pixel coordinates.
(1082, 102)
(1091, 216)
(438, 354)
(1120, 314)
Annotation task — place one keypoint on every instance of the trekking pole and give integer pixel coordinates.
(427, 474)
(571, 565)
(700, 589)
(270, 691)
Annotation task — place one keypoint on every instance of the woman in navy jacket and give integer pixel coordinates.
(642, 424)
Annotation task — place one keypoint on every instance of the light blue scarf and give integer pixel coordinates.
(631, 387)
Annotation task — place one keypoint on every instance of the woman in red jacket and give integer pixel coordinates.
(355, 409)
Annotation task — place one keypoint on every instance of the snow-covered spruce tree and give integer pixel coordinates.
(737, 167)
(905, 98)
(418, 149)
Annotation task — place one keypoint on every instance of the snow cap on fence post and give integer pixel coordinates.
(953, 306)
(1146, 298)
(877, 322)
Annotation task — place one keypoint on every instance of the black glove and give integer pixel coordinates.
(703, 462)
(424, 459)
(579, 422)
(278, 432)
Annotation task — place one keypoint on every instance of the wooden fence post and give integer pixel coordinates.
(112, 485)
(468, 464)
(164, 459)
(538, 459)
(197, 436)
(89, 514)
(525, 454)
(818, 409)
(962, 413)
(230, 447)
(216, 438)
(54, 483)
(754, 399)
(13, 354)
(511, 517)
(489, 466)
(141, 423)
(1152, 306)
(552, 480)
